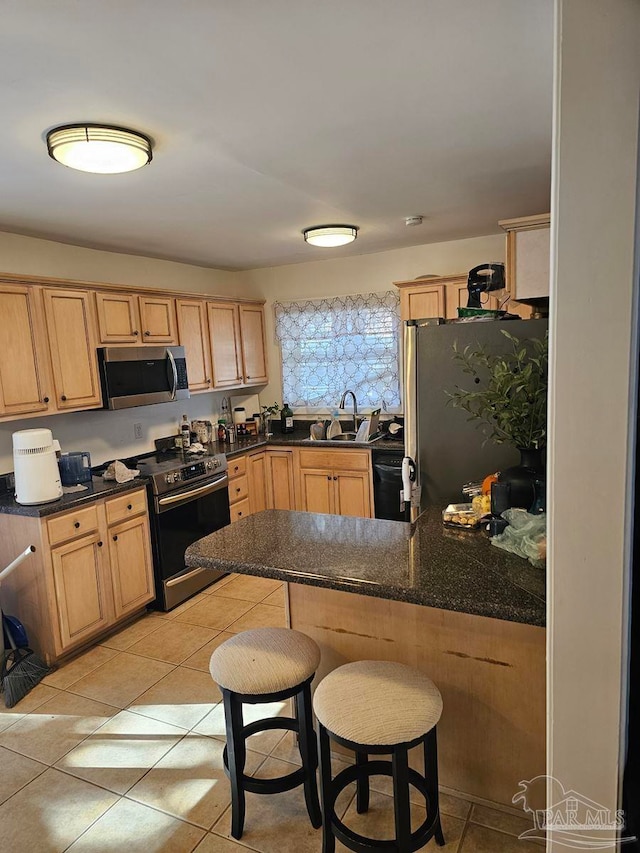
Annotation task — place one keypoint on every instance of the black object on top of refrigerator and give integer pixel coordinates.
(447, 449)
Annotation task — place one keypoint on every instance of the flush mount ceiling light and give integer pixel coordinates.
(99, 148)
(330, 235)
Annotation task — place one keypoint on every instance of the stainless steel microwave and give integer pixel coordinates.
(142, 376)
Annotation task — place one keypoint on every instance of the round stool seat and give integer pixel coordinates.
(264, 660)
(376, 703)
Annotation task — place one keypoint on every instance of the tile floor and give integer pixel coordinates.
(121, 749)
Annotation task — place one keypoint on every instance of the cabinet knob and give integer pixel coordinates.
(208, 381)
(115, 538)
(76, 524)
(99, 544)
(335, 478)
(238, 489)
(328, 478)
(45, 399)
(63, 397)
(248, 377)
(236, 469)
(129, 506)
(239, 514)
(147, 334)
(136, 332)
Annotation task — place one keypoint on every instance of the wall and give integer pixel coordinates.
(361, 274)
(593, 314)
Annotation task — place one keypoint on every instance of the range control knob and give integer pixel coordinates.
(208, 465)
(168, 478)
(177, 476)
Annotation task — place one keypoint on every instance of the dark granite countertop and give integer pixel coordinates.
(421, 563)
(300, 438)
(96, 489)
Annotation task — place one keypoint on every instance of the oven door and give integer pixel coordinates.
(180, 519)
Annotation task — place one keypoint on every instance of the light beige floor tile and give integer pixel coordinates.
(220, 583)
(137, 829)
(378, 823)
(214, 611)
(182, 698)
(200, 660)
(212, 843)
(16, 772)
(287, 749)
(132, 633)
(119, 753)
(277, 598)
(213, 724)
(54, 728)
(85, 663)
(187, 605)
(120, 680)
(173, 642)
(38, 696)
(454, 806)
(249, 588)
(502, 821)
(480, 839)
(49, 813)
(260, 616)
(189, 781)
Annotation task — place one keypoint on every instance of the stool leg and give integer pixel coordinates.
(401, 804)
(308, 753)
(362, 786)
(236, 754)
(328, 839)
(431, 775)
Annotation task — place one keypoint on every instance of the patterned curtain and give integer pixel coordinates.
(329, 345)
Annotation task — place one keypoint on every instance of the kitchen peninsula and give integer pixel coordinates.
(446, 602)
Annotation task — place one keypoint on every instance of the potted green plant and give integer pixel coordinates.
(509, 404)
(269, 412)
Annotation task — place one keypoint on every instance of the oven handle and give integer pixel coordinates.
(174, 371)
(183, 497)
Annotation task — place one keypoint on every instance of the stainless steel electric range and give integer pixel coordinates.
(188, 499)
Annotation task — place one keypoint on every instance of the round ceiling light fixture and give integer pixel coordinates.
(99, 148)
(330, 236)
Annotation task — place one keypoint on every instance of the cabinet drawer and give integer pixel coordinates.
(239, 510)
(336, 460)
(237, 467)
(238, 489)
(72, 524)
(126, 506)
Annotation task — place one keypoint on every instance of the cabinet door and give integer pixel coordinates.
(80, 596)
(528, 262)
(258, 482)
(131, 566)
(457, 296)
(72, 344)
(316, 491)
(352, 493)
(194, 337)
(23, 376)
(117, 318)
(280, 479)
(426, 300)
(254, 358)
(224, 329)
(158, 320)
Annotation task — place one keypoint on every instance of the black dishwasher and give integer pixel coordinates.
(387, 484)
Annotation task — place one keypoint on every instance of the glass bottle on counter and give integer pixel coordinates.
(185, 431)
(286, 419)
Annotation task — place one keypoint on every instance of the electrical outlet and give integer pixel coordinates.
(137, 430)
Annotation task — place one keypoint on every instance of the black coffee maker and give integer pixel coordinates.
(484, 279)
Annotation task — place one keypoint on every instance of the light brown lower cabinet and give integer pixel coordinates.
(92, 569)
(261, 480)
(335, 481)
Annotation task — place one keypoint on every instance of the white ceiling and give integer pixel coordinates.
(269, 116)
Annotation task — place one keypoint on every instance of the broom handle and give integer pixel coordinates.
(15, 563)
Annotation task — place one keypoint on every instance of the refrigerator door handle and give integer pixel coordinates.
(408, 479)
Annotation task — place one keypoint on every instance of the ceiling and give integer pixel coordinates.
(268, 117)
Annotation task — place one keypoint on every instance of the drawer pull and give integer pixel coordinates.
(63, 397)
(236, 469)
(99, 544)
(129, 506)
(238, 489)
(115, 538)
(76, 524)
(239, 514)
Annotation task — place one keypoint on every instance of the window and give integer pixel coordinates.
(329, 345)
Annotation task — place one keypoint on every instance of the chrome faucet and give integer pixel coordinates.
(355, 408)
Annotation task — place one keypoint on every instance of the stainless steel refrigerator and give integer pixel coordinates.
(445, 449)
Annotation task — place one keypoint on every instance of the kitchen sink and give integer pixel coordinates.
(344, 436)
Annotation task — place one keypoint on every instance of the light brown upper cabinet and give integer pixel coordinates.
(237, 344)
(72, 346)
(528, 255)
(421, 300)
(193, 335)
(254, 358)
(124, 318)
(25, 385)
(442, 296)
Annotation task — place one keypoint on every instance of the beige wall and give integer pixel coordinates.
(361, 274)
(592, 320)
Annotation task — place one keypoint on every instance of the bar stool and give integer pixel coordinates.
(267, 665)
(376, 707)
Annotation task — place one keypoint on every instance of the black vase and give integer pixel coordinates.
(522, 478)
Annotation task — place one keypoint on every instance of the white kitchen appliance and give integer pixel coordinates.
(37, 477)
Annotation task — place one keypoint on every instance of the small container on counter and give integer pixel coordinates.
(222, 430)
(239, 415)
(460, 516)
